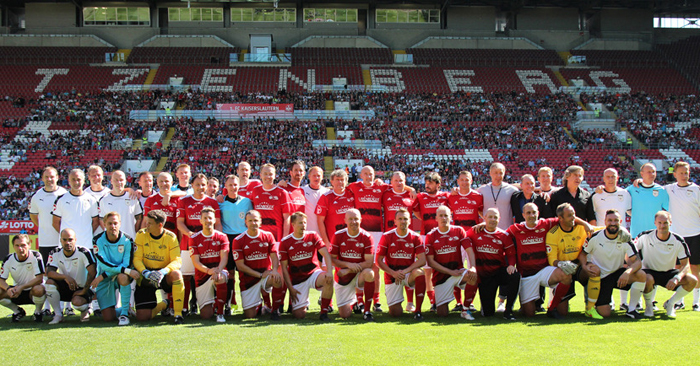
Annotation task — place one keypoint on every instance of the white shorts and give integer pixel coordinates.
(251, 298)
(205, 292)
(530, 286)
(304, 288)
(394, 291)
(187, 268)
(444, 292)
(345, 295)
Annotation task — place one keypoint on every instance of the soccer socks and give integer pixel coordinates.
(232, 290)
(410, 292)
(266, 299)
(369, 295)
(221, 294)
(359, 295)
(10, 305)
(376, 297)
(186, 299)
(593, 288)
(696, 296)
(160, 307)
(325, 304)
(623, 297)
(125, 295)
(635, 292)
(559, 294)
(469, 294)
(38, 303)
(648, 300)
(431, 297)
(178, 297)
(458, 294)
(678, 295)
(420, 292)
(278, 297)
(54, 298)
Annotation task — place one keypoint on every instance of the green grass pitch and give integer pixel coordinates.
(454, 341)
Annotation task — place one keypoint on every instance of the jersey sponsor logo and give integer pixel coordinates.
(446, 250)
(401, 255)
(351, 254)
(368, 199)
(487, 249)
(210, 253)
(235, 255)
(301, 256)
(154, 257)
(397, 206)
(530, 241)
(434, 204)
(464, 211)
(342, 210)
(265, 207)
(256, 256)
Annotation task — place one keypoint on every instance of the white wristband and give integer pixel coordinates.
(678, 277)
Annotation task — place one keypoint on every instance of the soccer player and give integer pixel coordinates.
(494, 255)
(544, 178)
(164, 201)
(255, 253)
(531, 260)
(272, 202)
(401, 255)
(70, 272)
(233, 210)
(113, 250)
(189, 209)
(603, 257)
(396, 197)
(528, 194)
(445, 257)
(76, 210)
(183, 173)
(497, 194)
(648, 198)
(660, 250)
(118, 200)
(572, 194)
(296, 193)
(684, 207)
(246, 184)
(332, 206)
(210, 256)
(212, 187)
(352, 256)
(564, 243)
(611, 197)
(40, 207)
(300, 268)
(27, 270)
(312, 193)
(146, 184)
(158, 260)
(96, 176)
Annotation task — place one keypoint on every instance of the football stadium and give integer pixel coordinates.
(350, 181)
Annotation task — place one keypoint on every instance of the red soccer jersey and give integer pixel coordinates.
(256, 254)
(428, 205)
(369, 201)
(191, 209)
(334, 206)
(399, 252)
(297, 198)
(209, 250)
(466, 208)
(300, 255)
(351, 249)
(272, 205)
(530, 245)
(156, 203)
(491, 250)
(392, 202)
(247, 190)
(446, 250)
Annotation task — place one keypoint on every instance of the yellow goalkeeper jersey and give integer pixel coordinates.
(157, 253)
(565, 246)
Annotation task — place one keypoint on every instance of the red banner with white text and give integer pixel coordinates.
(17, 227)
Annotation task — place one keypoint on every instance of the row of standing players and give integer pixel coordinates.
(276, 204)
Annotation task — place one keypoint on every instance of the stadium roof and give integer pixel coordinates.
(658, 6)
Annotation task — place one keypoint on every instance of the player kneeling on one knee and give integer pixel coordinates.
(256, 259)
(70, 270)
(351, 253)
(301, 270)
(27, 270)
(401, 255)
(444, 255)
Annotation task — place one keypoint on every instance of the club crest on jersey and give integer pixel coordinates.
(308, 244)
(120, 248)
(655, 193)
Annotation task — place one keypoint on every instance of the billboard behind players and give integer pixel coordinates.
(257, 110)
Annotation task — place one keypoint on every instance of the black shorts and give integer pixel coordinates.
(576, 277)
(607, 285)
(662, 278)
(67, 294)
(45, 251)
(694, 248)
(231, 264)
(25, 298)
(145, 293)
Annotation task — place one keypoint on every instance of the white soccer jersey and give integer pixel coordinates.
(312, 196)
(97, 194)
(76, 212)
(499, 197)
(684, 206)
(41, 205)
(126, 207)
(22, 271)
(74, 266)
(660, 255)
(609, 254)
(619, 200)
(144, 198)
